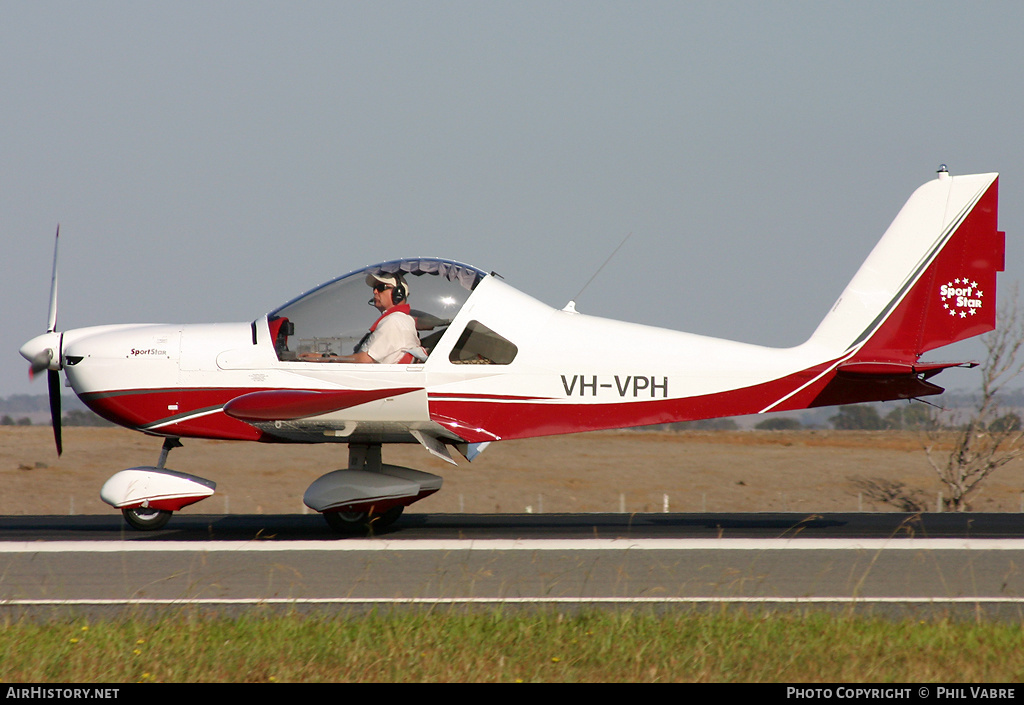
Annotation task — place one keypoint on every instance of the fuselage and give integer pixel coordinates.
(551, 371)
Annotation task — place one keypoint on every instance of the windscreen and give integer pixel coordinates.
(336, 316)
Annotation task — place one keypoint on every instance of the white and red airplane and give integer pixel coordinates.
(502, 365)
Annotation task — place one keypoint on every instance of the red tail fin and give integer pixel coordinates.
(929, 282)
(954, 297)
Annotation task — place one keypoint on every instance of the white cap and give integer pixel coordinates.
(392, 280)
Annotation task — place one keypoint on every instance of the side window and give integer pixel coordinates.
(479, 345)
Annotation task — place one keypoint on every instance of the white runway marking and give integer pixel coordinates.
(895, 544)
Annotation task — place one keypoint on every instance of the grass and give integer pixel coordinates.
(599, 646)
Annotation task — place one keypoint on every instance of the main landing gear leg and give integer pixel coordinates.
(147, 518)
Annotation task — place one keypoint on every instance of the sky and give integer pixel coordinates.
(208, 161)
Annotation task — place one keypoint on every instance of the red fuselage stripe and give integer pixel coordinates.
(482, 418)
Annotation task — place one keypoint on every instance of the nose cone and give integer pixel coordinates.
(43, 352)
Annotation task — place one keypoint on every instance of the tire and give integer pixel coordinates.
(347, 522)
(387, 518)
(146, 518)
(362, 522)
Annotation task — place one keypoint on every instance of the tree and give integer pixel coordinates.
(857, 417)
(81, 417)
(990, 438)
(781, 423)
(911, 417)
(1006, 422)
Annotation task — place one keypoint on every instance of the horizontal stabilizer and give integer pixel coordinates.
(923, 369)
(865, 381)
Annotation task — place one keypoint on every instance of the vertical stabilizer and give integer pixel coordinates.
(929, 282)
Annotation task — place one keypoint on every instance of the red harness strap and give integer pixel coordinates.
(407, 358)
(400, 308)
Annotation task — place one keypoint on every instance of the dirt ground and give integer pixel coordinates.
(631, 471)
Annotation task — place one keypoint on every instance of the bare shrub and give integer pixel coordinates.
(987, 438)
(892, 492)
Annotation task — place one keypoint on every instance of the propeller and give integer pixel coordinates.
(53, 386)
(44, 353)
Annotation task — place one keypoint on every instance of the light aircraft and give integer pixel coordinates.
(502, 365)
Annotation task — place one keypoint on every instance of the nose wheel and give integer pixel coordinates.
(146, 518)
(134, 491)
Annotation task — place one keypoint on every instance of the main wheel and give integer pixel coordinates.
(146, 518)
(387, 518)
(347, 522)
(362, 522)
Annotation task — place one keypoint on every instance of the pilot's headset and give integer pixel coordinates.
(400, 292)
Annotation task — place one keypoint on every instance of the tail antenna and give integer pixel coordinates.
(571, 306)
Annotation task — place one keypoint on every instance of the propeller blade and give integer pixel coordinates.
(53, 382)
(51, 325)
(44, 353)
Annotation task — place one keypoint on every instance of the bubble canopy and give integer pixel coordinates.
(334, 317)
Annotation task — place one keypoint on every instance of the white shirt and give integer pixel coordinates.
(395, 333)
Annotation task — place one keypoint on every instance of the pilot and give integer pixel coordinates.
(392, 338)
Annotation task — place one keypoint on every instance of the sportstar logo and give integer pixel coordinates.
(148, 351)
(961, 297)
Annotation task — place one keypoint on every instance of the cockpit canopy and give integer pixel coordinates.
(334, 317)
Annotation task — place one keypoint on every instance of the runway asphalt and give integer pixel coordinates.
(910, 564)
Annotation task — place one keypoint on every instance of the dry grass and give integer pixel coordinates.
(743, 471)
